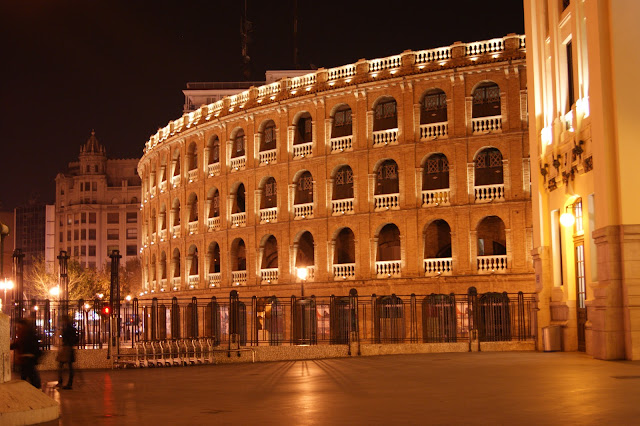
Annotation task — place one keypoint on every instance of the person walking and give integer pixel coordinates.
(66, 353)
(27, 352)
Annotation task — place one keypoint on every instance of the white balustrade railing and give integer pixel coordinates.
(483, 47)
(385, 137)
(302, 150)
(268, 215)
(162, 186)
(175, 181)
(381, 64)
(238, 163)
(153, 237)
(175, 282)
(301, 211)
(484, 125)
(194, 280)
(436, 197)
(175, 231)
(239, 219)
(152, 284)
(341, 144)
(492, 263)
(344, 71)
(269, 275)
(163, 284)
(269, 89)
(344, 271)
(193, 227)
(386, 202)
(215, 278)
(388, 268)
(213, 223)
(193, 175)
(489, 193)
(342, 206)
(214, 169)
(433, 55)
(437, 266)
(267, 157)
(302, 81)
(162, 234)
(239, 277)
(434, 130)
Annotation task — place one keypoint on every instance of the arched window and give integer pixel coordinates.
(304, 131)
(303, 196)
(163, 265)
(175, 213)
(343, 183)
(154, 227)
(268, 139)
(192, 156)
(152, 271)
(385, 114)
(344, 256)
(486, 100)
(342, 122)
(238, 255)
(434, 107)
(214, 202)
(492, 244)
(437, 248)
(239, 205)
(388, 257)
(176, 163)
(176, 267)
(238, 149)
(214, 150)
(193, 264)
(163, 216)
(214, 264)
(305, 254)
(193, 207)
(268, 200)
(489, 178)
(387, 178)
(435, 174)
(269, 260)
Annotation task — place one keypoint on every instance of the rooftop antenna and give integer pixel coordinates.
(245, 30)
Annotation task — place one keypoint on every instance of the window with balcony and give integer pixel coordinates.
(435, 181)
(192, 156)
(163, 265)
(342, 198)
(269, 200)
(238, 255)
(176, 270)
(304, 254)
(175, 162)
(193, 267)
(175, 217)
(238, 149)
(486, 100)
(388, 258)
(303, 196)
(303, 129)
(489, 176)
(268, 138)
(385, 115)
(437, 248)
(342, 122)
(269, 260)
(214, 258)
(213, 202)
(192, 206)
(433, 115)
(238, 206)
(492, 246)
(387, 186)
(344, 255)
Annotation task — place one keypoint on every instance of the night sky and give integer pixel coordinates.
(119, 67)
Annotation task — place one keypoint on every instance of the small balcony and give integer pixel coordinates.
(162, 234)
(267, 157)
(163, 285)
(269, 215)
(302, 150)
(213, 169)
(384, 202)
(385, 137)
(239, 219)
(153, 238)
(239, 278)
(162, 186)
(213, 223)
(344, 271)
(388, 269)
(238, 163)
(484, 125)
(194, 280)
(436, 197)
(342, 144)
(215, 278)
(175, 283)
(341, 207)
(269, 276)
(193, 227)
(175, 231)
(489, 193)
(175, 181)
(302, 211)
(193, 175)
(153, 191)
(489, 264)
(437, 266)
(434, 131)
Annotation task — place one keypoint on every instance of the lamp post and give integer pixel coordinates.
(5, 285)
(302, 273)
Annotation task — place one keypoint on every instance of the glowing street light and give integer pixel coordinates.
(302, 273)
(54, 291)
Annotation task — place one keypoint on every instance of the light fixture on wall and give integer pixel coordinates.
(567, 218)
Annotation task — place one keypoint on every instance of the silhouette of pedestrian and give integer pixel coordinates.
(27, 352)
(66, 353)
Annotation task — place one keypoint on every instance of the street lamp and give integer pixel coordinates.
(54, 291)
(5, 285)
(302, 273)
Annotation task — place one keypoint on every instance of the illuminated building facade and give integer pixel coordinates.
(406, 174)
(97, 207)
(582, 74)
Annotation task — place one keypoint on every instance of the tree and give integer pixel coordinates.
(84, 283)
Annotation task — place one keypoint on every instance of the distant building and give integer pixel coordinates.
(97, 206)
(33, 233)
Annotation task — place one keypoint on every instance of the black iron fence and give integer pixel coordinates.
(270, 321)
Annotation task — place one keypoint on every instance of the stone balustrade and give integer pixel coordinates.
(268, 215)
(269, 275)
(302, 211)
(175, 282)
(267, 157)
(437, 266)
(193, 227)
(434, 131)
(162, 186)
(239, 219)
(385, 137)
(341, 144)
(495, 263)
(388, 268)
(214, 169)
(344, 271)
(175, 181)
(194, 280)
(213, 223)
(238, 163)
(342, 206)
(162, 234)
(239, 277)
(163, 284)
(192, 175)
(483, 125)
(215, 278)
(175, 231)
(436, 197)
(302, 150)
(386, 202)
(489, 193)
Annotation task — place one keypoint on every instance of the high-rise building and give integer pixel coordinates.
(582, 63)
(97, 207)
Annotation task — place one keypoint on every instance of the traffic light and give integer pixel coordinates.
(106, 310)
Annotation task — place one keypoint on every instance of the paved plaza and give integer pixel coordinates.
(449, 388)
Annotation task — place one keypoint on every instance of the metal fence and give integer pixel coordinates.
(271, 321)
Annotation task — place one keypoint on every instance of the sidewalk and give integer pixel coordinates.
(447, 388)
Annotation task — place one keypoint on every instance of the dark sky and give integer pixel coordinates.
(69, 66)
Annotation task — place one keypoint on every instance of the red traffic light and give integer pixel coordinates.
(106, 310)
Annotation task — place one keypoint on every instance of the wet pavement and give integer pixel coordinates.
(456, 388)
